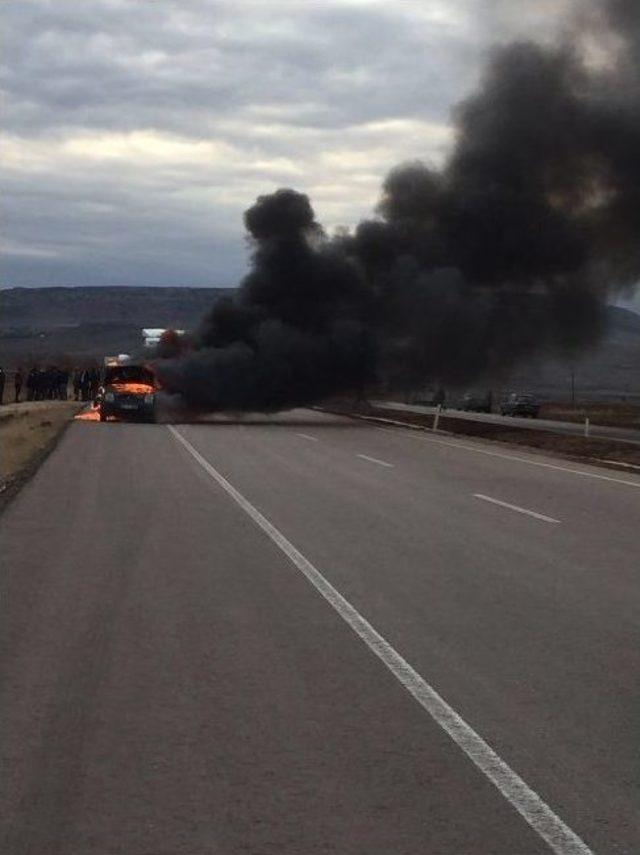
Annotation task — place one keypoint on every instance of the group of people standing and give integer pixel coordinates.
(52, 384)
(48, 384)
(86, 382)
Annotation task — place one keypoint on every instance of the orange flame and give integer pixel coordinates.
(91, 415)
(133, 388)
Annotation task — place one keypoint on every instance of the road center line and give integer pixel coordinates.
(558, 836)
(516, 508)
(308, 436)
(375, 460)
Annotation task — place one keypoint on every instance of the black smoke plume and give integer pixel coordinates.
(513, 247)
(297, 330)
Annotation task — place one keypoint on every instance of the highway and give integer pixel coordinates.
(303, 634)
(619, 434)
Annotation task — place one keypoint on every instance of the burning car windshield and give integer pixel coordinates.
(128, 374)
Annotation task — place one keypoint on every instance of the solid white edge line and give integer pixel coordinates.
(558, 836)
(375, 460)
(422, 438)
(308, 436)
(516, 508)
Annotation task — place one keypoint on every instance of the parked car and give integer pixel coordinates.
(517, 404)
(475, 403)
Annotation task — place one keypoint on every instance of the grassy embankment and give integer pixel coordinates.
(605, 452)
(28, 431)
(614, 414)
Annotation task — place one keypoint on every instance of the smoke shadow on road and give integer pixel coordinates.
(230, 421)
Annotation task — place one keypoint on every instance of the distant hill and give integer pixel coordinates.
(144, 307)
(76, 324)
(611, 370)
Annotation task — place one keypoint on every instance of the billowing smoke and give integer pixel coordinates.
(513, 247)
(296, 332)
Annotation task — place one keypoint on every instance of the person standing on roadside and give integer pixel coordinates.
(439, 397)
(17, 382)
(2, 379)
(95, 383)
(48, 386)
(85, 384)
(38, 383)
(31, 376)
(62, 378)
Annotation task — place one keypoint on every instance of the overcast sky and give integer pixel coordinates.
(136, 132)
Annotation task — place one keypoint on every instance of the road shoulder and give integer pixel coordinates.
(28, 434)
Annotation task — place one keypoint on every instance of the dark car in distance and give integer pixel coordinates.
(518, 404)
(476, 403)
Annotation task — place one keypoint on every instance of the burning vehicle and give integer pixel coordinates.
(128, 391)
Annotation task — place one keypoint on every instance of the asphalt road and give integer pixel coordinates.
(619, 434)
(173, 683)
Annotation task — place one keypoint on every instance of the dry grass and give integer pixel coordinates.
(26, 432)
(611, 414)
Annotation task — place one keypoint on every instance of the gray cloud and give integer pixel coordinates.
(137, 132)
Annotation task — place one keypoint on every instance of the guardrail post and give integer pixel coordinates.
(436, 417)
(586, 426)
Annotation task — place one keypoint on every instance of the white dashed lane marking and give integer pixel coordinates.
(375, 460)
(516, 508)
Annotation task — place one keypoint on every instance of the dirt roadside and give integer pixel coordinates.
(613, 414)
(28, 433)
(602, 452)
